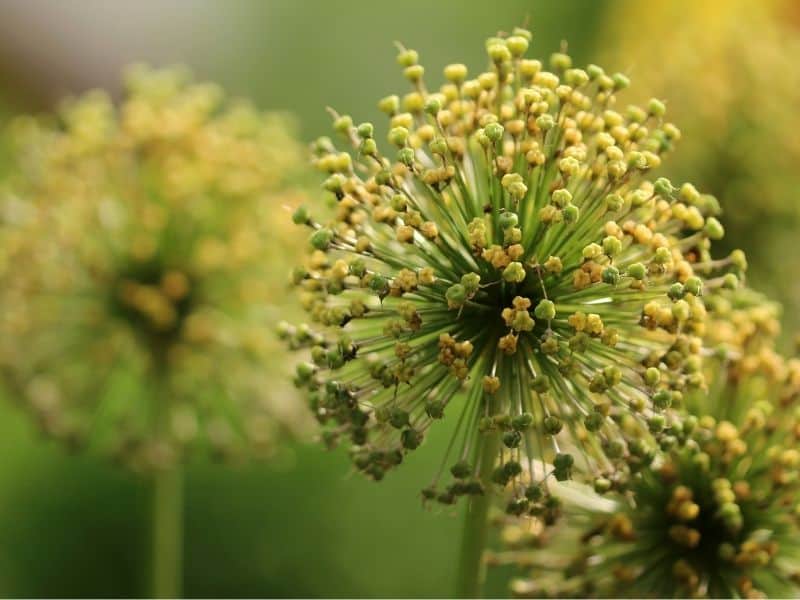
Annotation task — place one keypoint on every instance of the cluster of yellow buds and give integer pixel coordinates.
(556, 287)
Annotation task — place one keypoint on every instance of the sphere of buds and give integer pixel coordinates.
(717, 518)
(137, 270)
(742, 144)
(505, 259)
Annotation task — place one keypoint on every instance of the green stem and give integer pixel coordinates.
(472, 569)
(167, 523)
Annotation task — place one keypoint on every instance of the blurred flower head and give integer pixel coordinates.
(138, 267)
(718, 516)
(728, 74)
(508, 262)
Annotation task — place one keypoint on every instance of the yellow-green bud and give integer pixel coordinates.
(621, 81)
(545, 310)
(455, 73)
(713, 229)
(300, 216)
(638, 271)
(739, 260)
(456, 295)
(517, 45)
(471, 282)
(612, 246)
(389, 104)
(656, 107)
(560, 61)
(652, 376)
(321, 238)
(560, 197)
(414, 73)
(365, 130)
(571, 213)
(499, 52)
(494, 131)
(514, 273)
(507, 219)
(398, 136)
(614, 202)
(406, 58)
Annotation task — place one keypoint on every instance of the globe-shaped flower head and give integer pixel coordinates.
(718, 518)
(506, 261)
(138, 266)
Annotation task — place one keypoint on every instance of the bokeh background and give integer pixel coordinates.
(306, 526)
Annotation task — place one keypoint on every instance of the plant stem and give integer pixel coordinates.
(167, 523)
(472, 570)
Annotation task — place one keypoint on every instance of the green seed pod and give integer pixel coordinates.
(410, 439)
(652, 376)
(321, 238)
(522, 422)
(545, 310)
(512, 439)
(365, 130)
(612, 246)
(494, 131)
(593, 421)
(300, 216)
(611, 275)
(638, 271)
(456, 295)
(552, 425)
(471, 282)
(693, 285)
(461, 470)
(514, 273)
(713, 229)
(656, 108)
(508, 219)
(662, 399)
(571, 214)
(663, 187)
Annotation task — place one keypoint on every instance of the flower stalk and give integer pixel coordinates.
(472, 569)
(167, 533)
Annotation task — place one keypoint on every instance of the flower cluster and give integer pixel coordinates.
(137, 269)
(717, 518)
(507, 260)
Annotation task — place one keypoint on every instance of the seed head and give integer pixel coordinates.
(716, 516)
(549, 256)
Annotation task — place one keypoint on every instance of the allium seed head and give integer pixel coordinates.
(548, 256)
(718, 517)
